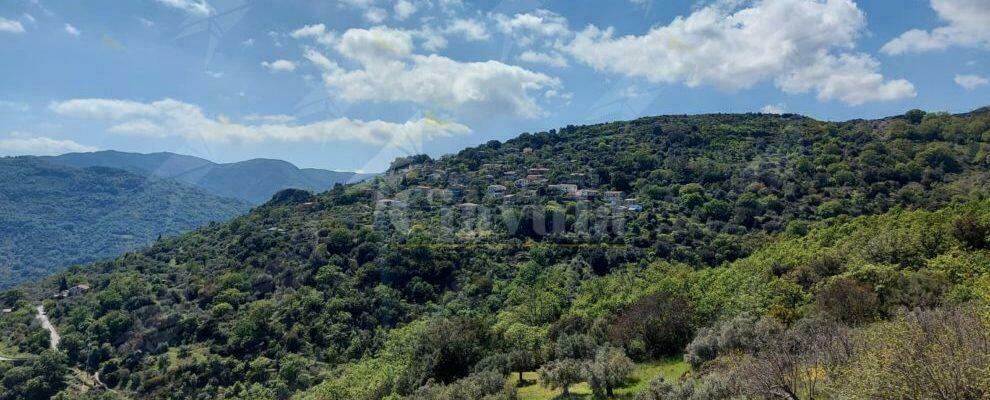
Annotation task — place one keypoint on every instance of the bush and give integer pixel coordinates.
(971, 232)
(655, 326)
(848, 300)
(744, 333)
(609, 369)
(561, 374)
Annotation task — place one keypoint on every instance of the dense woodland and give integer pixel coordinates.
(53, 216)
(769, 256)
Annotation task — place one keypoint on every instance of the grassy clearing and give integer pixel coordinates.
(671, 369)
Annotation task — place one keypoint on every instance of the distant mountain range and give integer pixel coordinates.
(53, 216)
(253, 181)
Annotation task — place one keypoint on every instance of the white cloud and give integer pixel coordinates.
(470, 29)
(248, 42)
(778, 108)
(388, 70)
(197, 8)
(71, 30)
(801, 45)
(553, 59)
(528, 27)
(29, 18)
(404, 9)
(850, 78)
(277, 118)
(40, 146)
(376, 44)
(279, 66)
(971, 82)
(375, 15)
(172, 117)
(318, 32)
(11, 26)
(318, 59)
(968, 25)
(146, 22)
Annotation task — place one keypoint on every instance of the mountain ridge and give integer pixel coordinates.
(253, 180)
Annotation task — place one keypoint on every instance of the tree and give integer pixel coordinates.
(521, 361)
(610, 368)
(971, 232)
(848, 300)
(657, 325)
(561, 374)
(914, 116)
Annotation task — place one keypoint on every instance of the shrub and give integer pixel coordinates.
(657, 326)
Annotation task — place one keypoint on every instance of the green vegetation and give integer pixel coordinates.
(638, 380)
(53, 216)
(778, 256)
(253, 181)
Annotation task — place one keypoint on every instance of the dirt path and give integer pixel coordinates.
(47, 324)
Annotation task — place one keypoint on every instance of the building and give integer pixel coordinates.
(496, 190)
(538, 171)
(386, 203)
(613, 196)
(563, 189)
(587, 194)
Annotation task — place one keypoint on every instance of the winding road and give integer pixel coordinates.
(47, 324)
(53, 335)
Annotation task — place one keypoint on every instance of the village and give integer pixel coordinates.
(492, 184)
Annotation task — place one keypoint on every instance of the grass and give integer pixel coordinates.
(643, 373)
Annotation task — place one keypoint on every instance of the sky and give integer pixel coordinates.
(352, 84)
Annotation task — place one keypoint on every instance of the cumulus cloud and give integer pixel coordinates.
(552, 59)
(11, 26)
(40, 146)
(279, 66)
(971, 82)
(470, 29)
(318, 32)
(196, 8)
(388, 70)
(801, 45)
(72, 31)
(404, 9)
(377, 44)
(528, 27)
(375, 15)
(967, 24)
(171, 117)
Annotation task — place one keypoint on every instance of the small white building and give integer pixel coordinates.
(496, 190)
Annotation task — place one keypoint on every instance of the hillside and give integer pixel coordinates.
(53, 216)
(254, 181)
(587, 254)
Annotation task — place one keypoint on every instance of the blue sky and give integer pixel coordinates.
(350, 84)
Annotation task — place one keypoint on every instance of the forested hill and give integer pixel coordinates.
(254, 181)
(591, 257)
(53, 216)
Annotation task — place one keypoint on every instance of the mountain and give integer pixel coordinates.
(701, 256)
(53, 216)
(254, 181)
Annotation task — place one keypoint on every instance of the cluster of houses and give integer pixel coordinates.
(514, 186)
(72, 291)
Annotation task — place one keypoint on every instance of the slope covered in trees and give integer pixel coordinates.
(53, 216)
(443, 277)
(253, 181)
